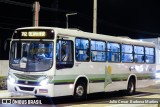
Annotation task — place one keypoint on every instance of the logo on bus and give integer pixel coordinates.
(26, 82)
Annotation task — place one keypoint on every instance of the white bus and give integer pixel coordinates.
(53, 62)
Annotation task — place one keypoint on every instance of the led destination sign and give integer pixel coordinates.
(34, 34)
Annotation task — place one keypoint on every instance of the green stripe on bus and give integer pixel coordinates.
(124, 77)
(145, 76)
(72, 81)
(119, 77)
(96, 80)
(60, 79)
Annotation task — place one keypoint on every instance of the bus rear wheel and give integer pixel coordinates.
(80, 91)
(131, 87)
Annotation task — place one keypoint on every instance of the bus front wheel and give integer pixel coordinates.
(131, 87)
(80, 91)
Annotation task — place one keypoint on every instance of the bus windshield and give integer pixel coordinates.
(31, 56)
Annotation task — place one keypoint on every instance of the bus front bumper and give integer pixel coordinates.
(47, 90)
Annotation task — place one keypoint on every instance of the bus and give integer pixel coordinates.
(54, 62)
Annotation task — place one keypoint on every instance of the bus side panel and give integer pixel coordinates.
(96, 75)
(66, 77)
(115, 86)
(63, 90)
(96, 87)
(146, 76)
(119, 73)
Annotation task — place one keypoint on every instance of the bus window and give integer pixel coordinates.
(31, 56)
(98, 52)
(64, 54)
(127, 53)
(149, 55)
(139, 54)
(113, 52)
(82, 49)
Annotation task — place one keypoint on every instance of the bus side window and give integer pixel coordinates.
(64, 54)
(127, 53)
(113, 52)
(98, 51)
(139, 54)
(82, 49)
(149, 55)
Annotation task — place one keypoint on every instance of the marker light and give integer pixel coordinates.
(44, 82)
(11, 79)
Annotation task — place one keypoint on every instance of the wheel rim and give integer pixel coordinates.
(79, 90)
(131, 87)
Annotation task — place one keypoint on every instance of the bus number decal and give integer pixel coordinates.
(24, 34)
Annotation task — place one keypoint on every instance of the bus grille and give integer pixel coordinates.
(29, 77)
(23, 82)
(26, 88)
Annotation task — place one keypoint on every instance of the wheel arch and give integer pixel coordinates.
(132, 77)
(81, 78)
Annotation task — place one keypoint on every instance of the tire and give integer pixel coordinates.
(80, 91)
(131, 87)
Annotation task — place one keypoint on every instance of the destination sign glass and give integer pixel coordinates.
(34, 34)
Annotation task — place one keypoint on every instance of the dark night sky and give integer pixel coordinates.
(133, 18)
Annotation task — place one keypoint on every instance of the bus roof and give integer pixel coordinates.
(79, 33)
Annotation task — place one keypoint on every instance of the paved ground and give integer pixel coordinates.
(6, 94)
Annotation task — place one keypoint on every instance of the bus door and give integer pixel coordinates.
(64, 54)
(64, 74)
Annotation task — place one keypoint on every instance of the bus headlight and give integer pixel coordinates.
(44, 82)
(157, 75)
(11, 79)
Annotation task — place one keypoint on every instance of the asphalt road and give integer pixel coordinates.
(110, 99)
